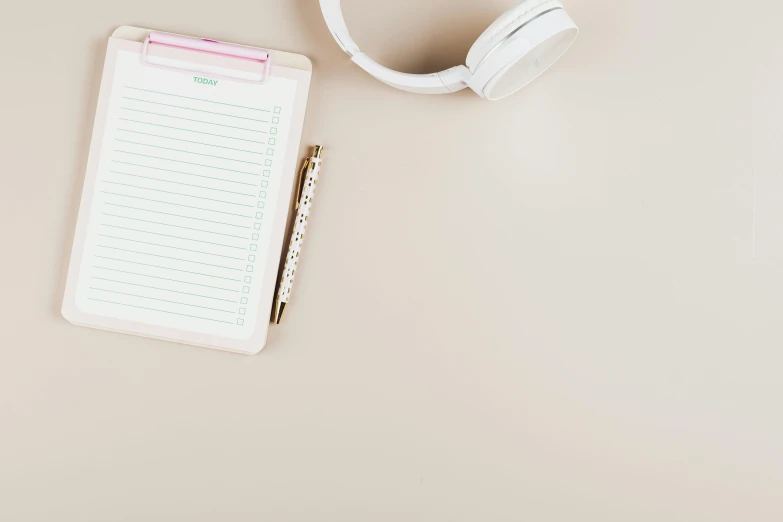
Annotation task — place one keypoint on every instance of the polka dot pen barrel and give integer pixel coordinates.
(308, 181)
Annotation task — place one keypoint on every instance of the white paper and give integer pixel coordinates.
(187, 184)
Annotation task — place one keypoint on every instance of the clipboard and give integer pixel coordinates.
(188, 187)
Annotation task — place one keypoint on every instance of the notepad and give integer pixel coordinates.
(185, 200)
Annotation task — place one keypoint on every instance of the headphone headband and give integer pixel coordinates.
(515, 49)
(451, 80)
(333, 14)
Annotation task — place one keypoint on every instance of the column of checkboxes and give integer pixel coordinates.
(251, 257)
(272, 140)
(261, 203)
(270, 152)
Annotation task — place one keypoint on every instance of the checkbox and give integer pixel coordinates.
(248, 279)
(253, 247)
(273, 130)
(268, 163)
(249, 268)
(255, 237)
(243, 300)
(266, 173)
(257, 226)
(261, 204)
(262, 194)
(278, 109)
(242, 311)
(271, 141)
(251, 257)
(270, 152)
(245, 289)
(259, 215)
(264, 183)
(240, 322)
(275, 120)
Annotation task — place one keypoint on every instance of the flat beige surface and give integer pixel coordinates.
(559, 307)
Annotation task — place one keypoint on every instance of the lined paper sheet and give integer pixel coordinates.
(187, 183)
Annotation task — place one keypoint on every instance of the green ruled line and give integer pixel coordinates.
(185, 162)
(197, 99)
(194, 121)
(174, 226)
(190, 141)
(192, 109)
(166, 279)
(185, 184)
(193, 131)
(189, 152)
(155, 310)
(176, 204)
(169, 257)
(174, 215)
(166, 268)
(175, 248)
(179, 194)
(184, 173)
(163, 300)
(163, 289)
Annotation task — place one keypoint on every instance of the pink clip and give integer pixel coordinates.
(205, 45)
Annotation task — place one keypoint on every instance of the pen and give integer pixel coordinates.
(307, 181)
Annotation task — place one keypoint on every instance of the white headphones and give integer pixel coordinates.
(512, 52)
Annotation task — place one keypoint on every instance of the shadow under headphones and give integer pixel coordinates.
(512, 52)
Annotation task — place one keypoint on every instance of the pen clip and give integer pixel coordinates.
(301, 181)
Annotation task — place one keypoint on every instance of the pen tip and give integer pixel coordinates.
(279, 312)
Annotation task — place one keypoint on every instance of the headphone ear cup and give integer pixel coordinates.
(505, 25)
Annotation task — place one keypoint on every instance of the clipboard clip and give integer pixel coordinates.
(205, 45)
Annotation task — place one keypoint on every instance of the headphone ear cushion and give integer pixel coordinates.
(505, 25)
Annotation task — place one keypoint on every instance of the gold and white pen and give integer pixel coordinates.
(308, 178)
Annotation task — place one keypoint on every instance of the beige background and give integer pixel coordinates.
(563, 306)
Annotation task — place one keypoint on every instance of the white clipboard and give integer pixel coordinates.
(167, 245)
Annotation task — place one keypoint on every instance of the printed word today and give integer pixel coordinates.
(205, 81)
